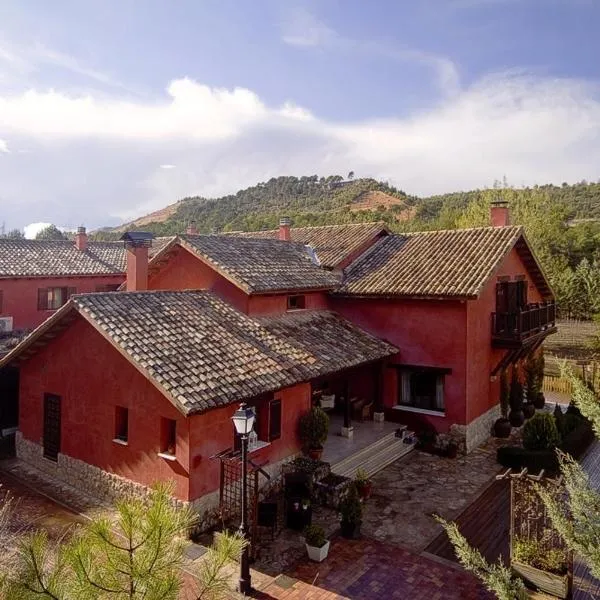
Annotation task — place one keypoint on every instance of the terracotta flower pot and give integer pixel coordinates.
(516, 418)
(315, 453)
(364, 490)
(502, 428)
(539, 401)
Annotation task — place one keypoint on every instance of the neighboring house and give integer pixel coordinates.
(37, 277)
(118, 390)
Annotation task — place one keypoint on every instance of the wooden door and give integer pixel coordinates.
(51, 426)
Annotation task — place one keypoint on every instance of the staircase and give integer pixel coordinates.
(378, 455)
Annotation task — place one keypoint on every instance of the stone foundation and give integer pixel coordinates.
(108, 487)
(476, 432)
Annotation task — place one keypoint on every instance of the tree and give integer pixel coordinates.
(139, 556)
(351, 175)
(497, 578)
(578, 520)
(14, 234)
(50, 233)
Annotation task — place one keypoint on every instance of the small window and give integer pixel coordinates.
(274, 420)
(422, 389)
(121, 424)
(296, 302)
(53, 298)
(109, 287)
(168, 436)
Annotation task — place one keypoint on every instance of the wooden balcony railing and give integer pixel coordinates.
(515, 327)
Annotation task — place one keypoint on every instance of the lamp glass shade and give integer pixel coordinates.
(243, 419)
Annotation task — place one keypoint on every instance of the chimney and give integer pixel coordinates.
(192, 229)
(284, 229)
(499, 215)
(81, 239)
(137, 244)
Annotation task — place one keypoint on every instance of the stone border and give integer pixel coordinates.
(477, 431)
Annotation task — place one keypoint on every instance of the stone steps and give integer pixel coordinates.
(376, 456)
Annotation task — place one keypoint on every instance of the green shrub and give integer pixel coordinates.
(531, 552)
(314, 427)
(570, 422)
(314, 535)
(516, 393)
(351, 508)
(517, 458)
(540, 433)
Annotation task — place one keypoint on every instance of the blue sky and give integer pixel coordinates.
(110, 109)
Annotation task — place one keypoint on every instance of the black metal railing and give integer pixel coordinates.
(526, 322)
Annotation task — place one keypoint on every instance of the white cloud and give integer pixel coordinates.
(33, 229)
(302, 29)
(3, 146)
(167, 166)
(97, 160)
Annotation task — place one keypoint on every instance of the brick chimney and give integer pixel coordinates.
(81, 239)
(284, 229)
(192, 229)
(137, 244)
(499, 214)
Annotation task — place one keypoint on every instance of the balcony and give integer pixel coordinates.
(529, 324)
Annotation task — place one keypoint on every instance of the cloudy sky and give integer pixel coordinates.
(112, 108)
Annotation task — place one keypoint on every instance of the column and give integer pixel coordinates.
(347, 429)
(378, 413)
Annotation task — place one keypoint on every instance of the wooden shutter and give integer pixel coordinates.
(43, 299)
(502, 297)
(274, 420)
(521, 293)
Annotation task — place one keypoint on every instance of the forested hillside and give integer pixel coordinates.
(562, 222)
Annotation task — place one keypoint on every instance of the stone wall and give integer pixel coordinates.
(108, 487)
(476, 432)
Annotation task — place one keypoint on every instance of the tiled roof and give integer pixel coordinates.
(261, 265)
(49, 258)
(332, 243)
(56, 258)
(336, 342)
(203, 353)
(431, 264)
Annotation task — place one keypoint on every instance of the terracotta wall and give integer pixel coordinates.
(92, 378)
(20, 296)
(276, 304)
(212, 432)
(482, 392)
(184, 271)
(428, 333)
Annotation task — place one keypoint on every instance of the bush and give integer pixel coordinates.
(314, 535)
(570, 422)
(314, 427)
(531, 552)
(577, 441)
(517, 458)
(540, 433)
(351, 508)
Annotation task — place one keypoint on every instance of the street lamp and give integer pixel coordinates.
(243, 420)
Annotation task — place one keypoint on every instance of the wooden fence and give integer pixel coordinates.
(557, 384)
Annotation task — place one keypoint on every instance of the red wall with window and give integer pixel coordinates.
(277, 304)
(184, 271)
(483, 393)
(95, 384)
(20, 295)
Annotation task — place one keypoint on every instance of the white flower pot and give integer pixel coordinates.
(318, 554)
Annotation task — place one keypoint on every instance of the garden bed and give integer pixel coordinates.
(330, 489)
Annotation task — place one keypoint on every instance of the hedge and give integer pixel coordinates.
(575, 443)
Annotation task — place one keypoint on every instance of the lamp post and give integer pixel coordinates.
(243, 420)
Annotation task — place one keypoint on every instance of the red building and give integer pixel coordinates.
(118, 390)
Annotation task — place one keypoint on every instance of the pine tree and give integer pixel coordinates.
(138, 556)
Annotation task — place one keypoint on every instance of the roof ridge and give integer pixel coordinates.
(483, 227)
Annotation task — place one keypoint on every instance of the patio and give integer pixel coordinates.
(365, 433)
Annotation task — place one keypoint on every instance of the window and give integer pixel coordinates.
(511, 296)
(54, 297)
(274, 420)
(168, 436)
(109, 287)
(121, 424)
(296, 302)
(421, 388)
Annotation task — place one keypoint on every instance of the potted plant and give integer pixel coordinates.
(516, 416)
(317, 545)
(314, 427)
(351, 510)
(363, 484)
(502, 426)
